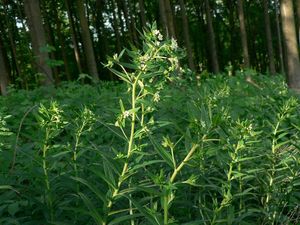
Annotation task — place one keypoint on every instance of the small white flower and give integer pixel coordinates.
(126, 114)
(142, 67)
(160, 37)
(174, 44)
(156, 97)
(156, 32)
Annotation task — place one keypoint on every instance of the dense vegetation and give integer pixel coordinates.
(165, 146)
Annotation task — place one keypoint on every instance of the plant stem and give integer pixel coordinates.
(186, 159)
(46, 176)
(166, 209)
(130, 143)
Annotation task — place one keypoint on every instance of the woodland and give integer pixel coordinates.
(149, 112)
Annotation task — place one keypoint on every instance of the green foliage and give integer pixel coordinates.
(155, 149)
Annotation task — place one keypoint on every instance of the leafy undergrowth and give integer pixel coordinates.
(152, 150)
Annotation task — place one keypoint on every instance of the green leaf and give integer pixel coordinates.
(162, 152)
(13, 208)
(123, 218)
(145, 212)
(93, 188)
(93, 211)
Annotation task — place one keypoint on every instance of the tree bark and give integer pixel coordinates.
(269, 37)
(212, 39)
(298, 19)
(121, 22)
(87, 41)
(4, 70)
(170, 20)
(279, 38)
(131, 11)
(12, 31)
(63, 48)
(124, 8)
(142, 12)
(243, 34)
(74, 36)
(186, 34)
(38, 40)
(115, 25)
(163, 17)
(290, 40)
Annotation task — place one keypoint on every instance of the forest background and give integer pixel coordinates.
(46, 42)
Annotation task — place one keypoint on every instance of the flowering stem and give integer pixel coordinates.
(130, 143)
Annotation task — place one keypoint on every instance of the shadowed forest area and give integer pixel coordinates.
(47, 42)
(149, 112)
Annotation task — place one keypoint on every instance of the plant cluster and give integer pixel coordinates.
(155, 149)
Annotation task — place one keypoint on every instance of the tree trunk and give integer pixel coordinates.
(12, 31)
(170, 20)
(269, 38)
(290, 40)
(63, 48)
(278, 30)
(4, 71)
(48, 16)
(212, 41)
(87, 41)
(298, 19)
(101, 31)
(74, 36)
(243, 34)
(163, 17)
(115, 25)
(119, 10)
(38, 40)
(186, 34)
(124, 8)
(132, 20)
(142, 12)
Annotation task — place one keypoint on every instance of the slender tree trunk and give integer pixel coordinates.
(212, 39)
(87, 41)
(163, 17)
(63, 48)
(50, 35)
(278, 30)
(38, 40)
(269, 38)
(74, 36)
(131, 11)
(290, 39)
(121, 22)
(12, 30)
(170, 20)
(4, 70)
(115, 25)
(142, 12)
(186, 34)
(234, 35)
(298, 19)
(101, 32)
(243, 34)
(125, 9)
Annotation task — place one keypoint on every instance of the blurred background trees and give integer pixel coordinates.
(45, 42)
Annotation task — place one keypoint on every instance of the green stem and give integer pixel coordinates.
(167, 194)
(130, 144)
(166, 209)
(46, 177)
(186, 159)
